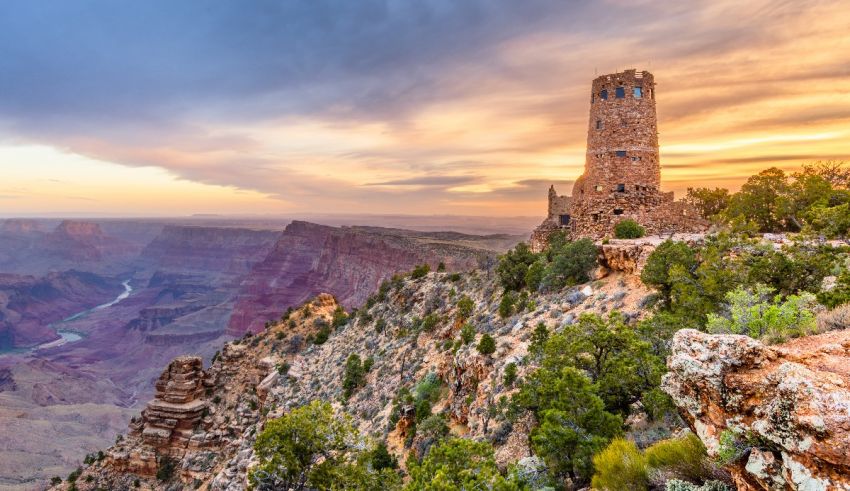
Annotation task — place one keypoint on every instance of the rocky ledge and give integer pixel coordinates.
(779, 414)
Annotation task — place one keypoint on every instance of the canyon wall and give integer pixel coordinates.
(348, 262)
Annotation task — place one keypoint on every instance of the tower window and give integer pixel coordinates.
(621, 188)
(595, 217)
(621, 92)
(599, 187)
(638, 92)
(564, 219)
(635, 159)
(620, 153)
(598, 124)
(618, 211)
(604, 94)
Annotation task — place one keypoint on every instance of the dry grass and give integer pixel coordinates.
(837, 318)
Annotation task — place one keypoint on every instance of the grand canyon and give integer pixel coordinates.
(429, 245)
(91, 310)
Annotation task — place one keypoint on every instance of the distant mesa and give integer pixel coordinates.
(20, 226)
(622, 171)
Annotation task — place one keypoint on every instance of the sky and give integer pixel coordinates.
(469, 107)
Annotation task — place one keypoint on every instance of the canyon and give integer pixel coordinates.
(193, 283)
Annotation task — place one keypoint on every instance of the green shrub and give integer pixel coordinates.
(465, 307)
(323, 334)
(486, 345)
(657, 404)
(761, 315)
(166, 468)
(507, 305)
(514, 265)
(456, 463)
(368, 363)
(628, 229)
(340, 318)
(839, 295)
(620, 467)
(467, 333)
(534, 274)
(510, 374)
(441, 267)
(684, 457)
(429, 322)
(571, 264)
(354, 375)
(380, 325)
(55, 480)
(663, 263)
(382, 458)
(420, 271)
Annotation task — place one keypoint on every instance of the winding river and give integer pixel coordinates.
(68, 336)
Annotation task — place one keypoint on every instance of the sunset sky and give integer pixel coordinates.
(468, 107)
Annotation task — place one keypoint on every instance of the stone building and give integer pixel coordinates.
(622, 171)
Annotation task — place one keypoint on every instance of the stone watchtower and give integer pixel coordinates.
(622, 171)
(622, 137)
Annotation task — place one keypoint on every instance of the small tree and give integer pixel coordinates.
(457, 463)
(465, 307)
(664, 263)
(571, 264)
(467, 333)
(487, 345)
(513, 267)
(510, 374)
(507, 305)
(761, 315)
(420, 271)
(355, 375)
(629, 229)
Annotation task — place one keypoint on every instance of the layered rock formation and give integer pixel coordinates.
(209, 249)
(171, 423)
(348, 262)
(782, 411)
(85, 241)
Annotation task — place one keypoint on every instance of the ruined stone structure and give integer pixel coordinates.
(622, 172)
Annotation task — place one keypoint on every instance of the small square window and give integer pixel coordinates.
(635, 159)
(620, 153)
(599, 187)
(638, 92)
(618, 211)
(621, 188)
(595, 217)
(621, 92)
(565, 220)
(598, 124)
(604, 94)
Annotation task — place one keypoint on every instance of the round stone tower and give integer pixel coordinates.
(622, 172)
(622, 137)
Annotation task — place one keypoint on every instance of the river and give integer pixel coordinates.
(67, 336)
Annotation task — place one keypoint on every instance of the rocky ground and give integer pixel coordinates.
(245, 385)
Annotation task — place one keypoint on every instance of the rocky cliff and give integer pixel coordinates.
(209, 249)
(347, 262)
(265, 375)
(779, 414)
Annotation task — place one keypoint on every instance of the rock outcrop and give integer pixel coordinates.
(174, 421)
(784, 409)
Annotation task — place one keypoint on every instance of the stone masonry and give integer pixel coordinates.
(622, 173)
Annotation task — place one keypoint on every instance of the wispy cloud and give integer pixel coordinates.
(439, 106)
